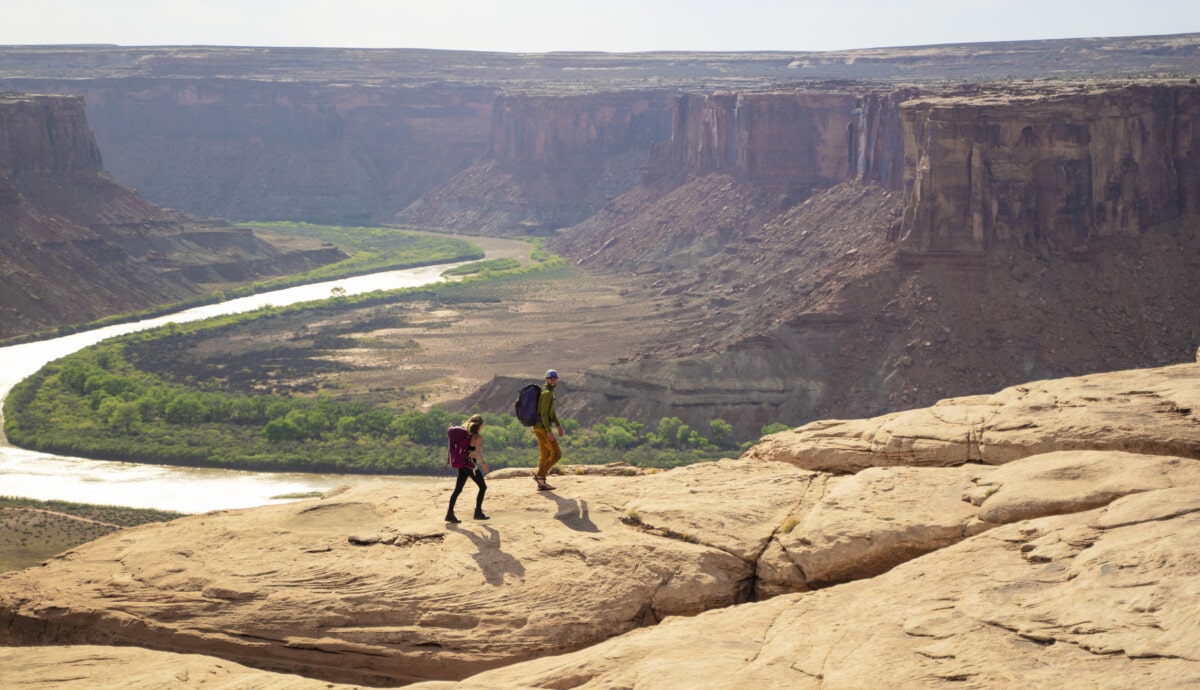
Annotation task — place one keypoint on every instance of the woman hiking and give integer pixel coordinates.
(475, 454)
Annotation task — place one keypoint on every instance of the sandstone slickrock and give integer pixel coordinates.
(1151, 411)
(1104, 598)
(372, 586)
(134, 668)
(1061, 563)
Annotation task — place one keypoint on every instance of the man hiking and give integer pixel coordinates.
(548, 451)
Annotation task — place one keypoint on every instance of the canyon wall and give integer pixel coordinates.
(46, 136)
(877, 152)
(282, 149)
(553, 161)
(794, 141)
(76, 246)
(1047, 171)
(1035, 233)
(532, 131)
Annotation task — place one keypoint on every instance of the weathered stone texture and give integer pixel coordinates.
(1047, 172)
(1071, 559)
(797, 140)
(1144, 411)
(46, 135)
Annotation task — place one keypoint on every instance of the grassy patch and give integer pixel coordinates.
(32, 531)
(297, 496)
(492, 265)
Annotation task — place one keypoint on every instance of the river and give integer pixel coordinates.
(45, 476)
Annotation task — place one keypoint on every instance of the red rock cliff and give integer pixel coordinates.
(239, 148)
(46, 135)
(75, 245)
(799, 141)
(1047, 172)
(559, 131)
(553, 162)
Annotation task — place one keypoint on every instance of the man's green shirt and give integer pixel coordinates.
(547, 417)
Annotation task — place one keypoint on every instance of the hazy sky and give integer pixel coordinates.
(605, 25)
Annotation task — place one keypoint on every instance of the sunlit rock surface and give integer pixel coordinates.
(751, 571)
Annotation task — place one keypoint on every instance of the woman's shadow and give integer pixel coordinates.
(493, 562)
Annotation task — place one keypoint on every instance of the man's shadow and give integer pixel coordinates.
(572, 513)
(493, 562)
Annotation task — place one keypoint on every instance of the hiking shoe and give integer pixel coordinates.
(480, 516)
(450, 518)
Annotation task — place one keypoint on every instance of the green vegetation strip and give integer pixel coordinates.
(95, 403)
(32, 531)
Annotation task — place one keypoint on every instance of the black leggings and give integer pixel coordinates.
(475, 475)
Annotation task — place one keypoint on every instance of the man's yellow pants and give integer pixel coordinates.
(548, 451)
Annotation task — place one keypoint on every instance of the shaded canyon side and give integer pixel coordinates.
(75, 245)
(281, 149)
(552, 162)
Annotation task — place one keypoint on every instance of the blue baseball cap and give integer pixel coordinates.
(551, 374)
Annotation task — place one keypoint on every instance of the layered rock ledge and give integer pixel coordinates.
(1065, 554)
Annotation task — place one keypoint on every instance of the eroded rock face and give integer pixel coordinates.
(798, 139)
(1047, 172)
(552, 162)
(45, 135)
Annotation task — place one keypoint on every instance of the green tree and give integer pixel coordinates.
(279, 430)
(667, 432)
(74, 375)
(245, 410)
(618, 437)
(105, 359)
(125, 417)
(311, 423)
(683, 436)
(720, 432)
(427, 428)
(278, 408)
(184, 408)
(632, 427)
(377, 420)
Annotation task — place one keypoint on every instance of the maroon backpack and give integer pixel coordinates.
(458, 451)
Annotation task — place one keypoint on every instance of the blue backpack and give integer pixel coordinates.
(527, 403)
(458, 451)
